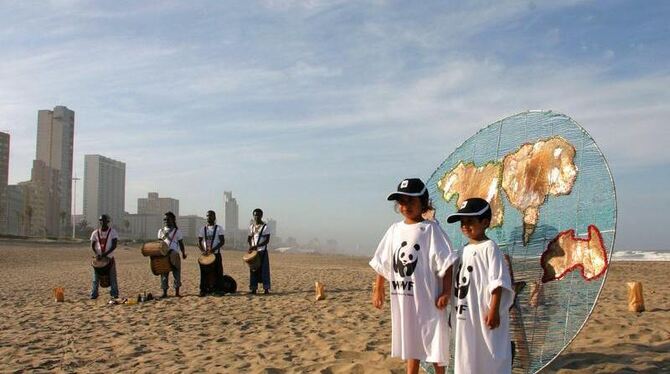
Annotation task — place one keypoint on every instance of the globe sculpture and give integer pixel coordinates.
(554, 214)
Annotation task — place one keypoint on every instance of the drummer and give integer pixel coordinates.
(258, 239)
(174, 239)
(210, 241)
(103, 244)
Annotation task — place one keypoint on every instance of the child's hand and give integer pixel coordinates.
(442, 301)
(378, 299)
(492, 319)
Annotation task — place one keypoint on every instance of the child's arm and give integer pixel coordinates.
(378, 294)
(492, 318)
(443, 298)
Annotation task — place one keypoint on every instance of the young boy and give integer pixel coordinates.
(483, 296)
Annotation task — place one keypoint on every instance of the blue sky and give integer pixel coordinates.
(314, 110)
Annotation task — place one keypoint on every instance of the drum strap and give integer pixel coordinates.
(213, 235)
(103, 241)
(174, 233)
(260, 234)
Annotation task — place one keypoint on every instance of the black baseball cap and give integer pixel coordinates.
(473, 207)
(408, 187)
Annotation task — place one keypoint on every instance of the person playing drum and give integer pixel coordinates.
(174, 239)
(103, 244)
(210, 241)
(258, 240)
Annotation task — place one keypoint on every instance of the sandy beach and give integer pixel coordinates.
(285, 332)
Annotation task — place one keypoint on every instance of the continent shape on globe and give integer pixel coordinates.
(566, 252)
(467, 180)
(527, 176)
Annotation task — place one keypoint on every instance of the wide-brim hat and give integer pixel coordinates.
(473, 207)
(408, 187)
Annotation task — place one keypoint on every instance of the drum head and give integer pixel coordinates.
(250, 257)
(101, 263)
(207, 259)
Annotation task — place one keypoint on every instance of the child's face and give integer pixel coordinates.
(410, 207)
(474, 228)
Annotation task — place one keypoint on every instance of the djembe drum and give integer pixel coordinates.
(102, 267)
(208, 267)
(158, 252)
(253, 260)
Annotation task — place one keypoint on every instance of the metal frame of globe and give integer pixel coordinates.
(611, 231)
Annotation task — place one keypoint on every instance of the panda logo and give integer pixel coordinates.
(405, 259)
(462, 281)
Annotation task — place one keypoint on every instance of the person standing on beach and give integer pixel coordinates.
(173, 237)
(258, 240)
(103, 244)
(415, 256)
(211, 240)
(483, 296)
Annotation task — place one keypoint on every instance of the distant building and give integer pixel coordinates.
(153, 204)
(149, 218)
(4, 177)
(104, 189)
(190, 226)
(15, 210)
(232, 214)
(55, 145)
(41, 196)
(142, 226)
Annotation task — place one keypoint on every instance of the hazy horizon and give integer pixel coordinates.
(315, 110)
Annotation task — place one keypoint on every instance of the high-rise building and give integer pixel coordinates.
(104, 189)
(232, 214)
(153, 204)
(55, 144)
(190, 226)
(4, 176)
(15, 210)
(43, 210)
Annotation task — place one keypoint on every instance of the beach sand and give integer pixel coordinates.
(285, 332)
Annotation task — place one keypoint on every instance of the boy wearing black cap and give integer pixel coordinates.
(483, 296)
(415, 257)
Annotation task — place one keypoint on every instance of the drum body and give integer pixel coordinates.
(208, 271)
(160, 265)
(253, 260)
(155, 248)
(102, 268)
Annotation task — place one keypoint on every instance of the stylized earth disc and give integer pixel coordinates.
(554, 213)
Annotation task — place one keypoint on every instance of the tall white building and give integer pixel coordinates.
(104, 189)
(232, 214)
(55, 144)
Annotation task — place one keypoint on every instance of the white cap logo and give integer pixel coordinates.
(465, 203)
(404, 183)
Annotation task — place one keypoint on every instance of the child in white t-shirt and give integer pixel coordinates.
(482, 298)
(415, 257)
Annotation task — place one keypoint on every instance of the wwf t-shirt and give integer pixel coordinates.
(414, 258)
(480, 270)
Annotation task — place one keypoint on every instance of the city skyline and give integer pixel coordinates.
(315, 110)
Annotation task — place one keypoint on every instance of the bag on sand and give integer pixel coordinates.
(635, 299)
(59, 294)
(320, 289)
